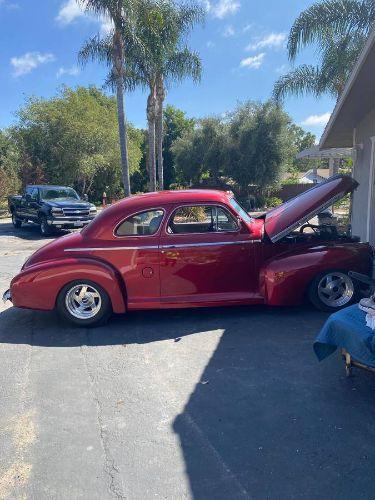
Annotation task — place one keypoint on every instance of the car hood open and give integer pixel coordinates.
(282, 220)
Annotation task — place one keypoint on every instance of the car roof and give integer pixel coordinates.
(103, 223)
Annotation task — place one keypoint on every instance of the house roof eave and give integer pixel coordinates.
(339, 129)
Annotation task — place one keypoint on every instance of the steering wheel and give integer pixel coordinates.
(311, 226)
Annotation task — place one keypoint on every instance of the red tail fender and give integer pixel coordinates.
(37, 286)
(284, 280)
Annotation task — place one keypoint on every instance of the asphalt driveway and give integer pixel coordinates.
(205, 404)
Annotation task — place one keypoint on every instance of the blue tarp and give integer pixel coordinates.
(347, 329)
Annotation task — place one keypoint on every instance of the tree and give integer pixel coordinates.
(9, 180)
(73, 139)
(155, 57)
(175, 125)
(201, 152)
(338, 28)
(110, 50)
(250, 147)
(298, 140)
(259, 144)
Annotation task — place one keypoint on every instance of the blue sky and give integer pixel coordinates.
(242, 46)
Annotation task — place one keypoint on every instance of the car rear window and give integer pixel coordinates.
(141, 224)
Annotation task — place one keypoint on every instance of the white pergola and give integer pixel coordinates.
(333, 153)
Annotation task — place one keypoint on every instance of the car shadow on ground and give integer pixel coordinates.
(21, 326)
(265, 420)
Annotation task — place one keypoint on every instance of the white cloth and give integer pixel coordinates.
(370, 320)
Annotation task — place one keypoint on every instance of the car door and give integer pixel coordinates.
(136, 255)
(25, 202)
(33, 204)
(206, 255)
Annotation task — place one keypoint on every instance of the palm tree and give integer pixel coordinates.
(339, 29)
(156, 57)
(111, 50)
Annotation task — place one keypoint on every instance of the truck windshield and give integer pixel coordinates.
(240, 210)
(58, 193)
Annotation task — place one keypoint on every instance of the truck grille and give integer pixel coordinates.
(76, 212)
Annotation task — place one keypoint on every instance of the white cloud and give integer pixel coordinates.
(29, 61)
(254, 62)
(317, 120)
(69, 12)
(284, 68)
(9, 5)
(223, 8)
(229, 31)
(210, 44)
(73, 71)
(106, 26)
(273, 40)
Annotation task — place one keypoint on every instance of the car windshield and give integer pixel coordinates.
(58, 193)
(240, 210)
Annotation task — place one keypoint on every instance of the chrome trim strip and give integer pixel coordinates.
(211, 244)
(109, 249)
(289, 229)
(163, 247)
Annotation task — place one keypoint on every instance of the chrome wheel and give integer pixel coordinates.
(335, 289)
(83, 301)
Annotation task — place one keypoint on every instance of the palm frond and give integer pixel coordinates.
(301, 80)
(182, 64)
(97, 49)
(329, 20)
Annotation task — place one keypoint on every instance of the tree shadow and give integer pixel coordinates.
(267, 421)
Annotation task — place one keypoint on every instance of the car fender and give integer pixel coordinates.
(38, 286)
(284, 280)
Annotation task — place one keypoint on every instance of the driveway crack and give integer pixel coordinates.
(115, 485)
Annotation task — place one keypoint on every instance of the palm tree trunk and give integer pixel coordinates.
(151, 117)
(160, 95)
(119, 71)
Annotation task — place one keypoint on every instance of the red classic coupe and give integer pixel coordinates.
(195, 248)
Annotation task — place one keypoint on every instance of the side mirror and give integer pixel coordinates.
(85, 197)
(28, 197)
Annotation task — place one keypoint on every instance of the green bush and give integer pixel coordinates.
(273, 201)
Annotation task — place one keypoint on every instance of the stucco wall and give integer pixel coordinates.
(365, 130)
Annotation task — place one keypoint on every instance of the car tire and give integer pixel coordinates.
(72, 300)
(17, 223)
(45, 229)
(333, 290)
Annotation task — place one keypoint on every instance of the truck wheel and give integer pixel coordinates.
(45, 229)
(84, 303)
(16, 221)
(332, 290)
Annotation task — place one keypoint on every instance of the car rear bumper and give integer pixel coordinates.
(7, 296)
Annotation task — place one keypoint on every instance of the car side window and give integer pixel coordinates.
(142, 224)
(34, 194)
(201, 219)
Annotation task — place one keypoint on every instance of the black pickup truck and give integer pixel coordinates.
(52, 207)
